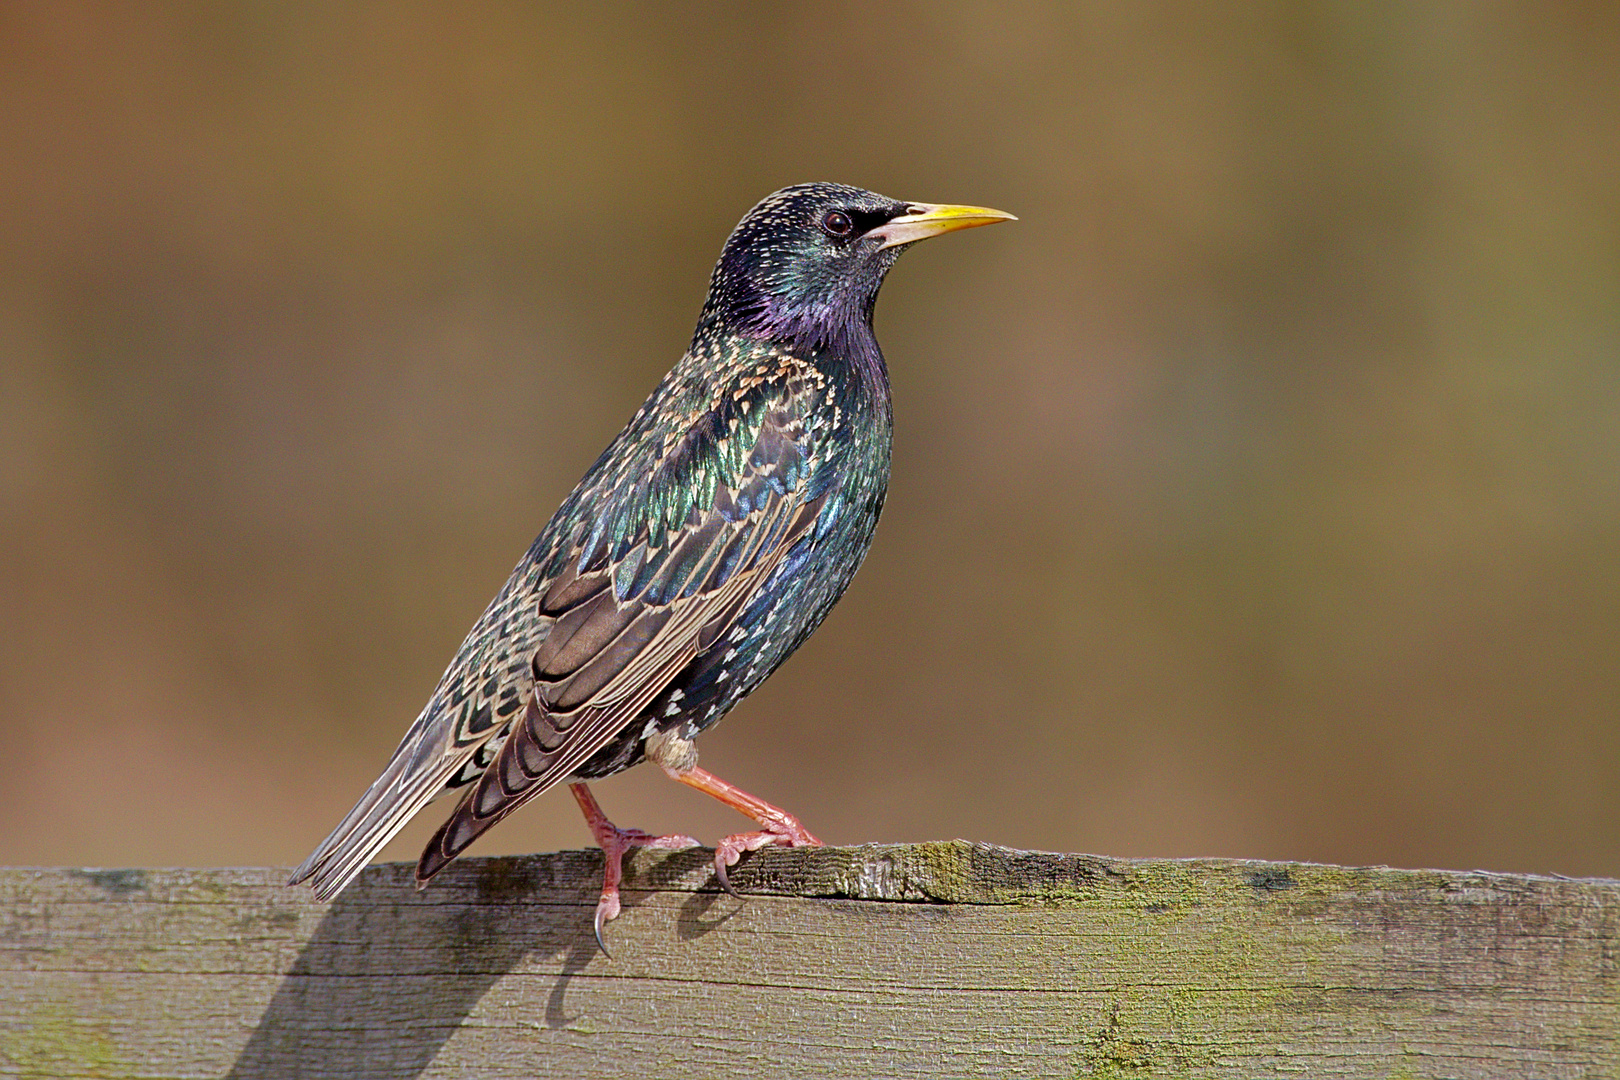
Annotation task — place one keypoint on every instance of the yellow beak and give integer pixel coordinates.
(923, 220)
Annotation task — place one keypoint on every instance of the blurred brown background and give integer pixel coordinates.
(1258, 494)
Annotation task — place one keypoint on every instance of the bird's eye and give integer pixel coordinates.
(837, 223)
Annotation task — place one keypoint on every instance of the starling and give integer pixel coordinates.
(706, 544)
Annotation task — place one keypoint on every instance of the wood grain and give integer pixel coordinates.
(927, 960)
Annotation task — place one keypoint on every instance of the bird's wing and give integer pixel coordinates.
(656, 566)
(632, 613)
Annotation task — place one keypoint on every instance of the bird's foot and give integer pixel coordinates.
(614, 842)
(780, 829)
(614, 845)
(777, 826)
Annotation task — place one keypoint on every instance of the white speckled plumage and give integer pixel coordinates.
(705, 544)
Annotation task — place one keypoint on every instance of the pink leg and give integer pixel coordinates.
(615, 842)
(778, 826)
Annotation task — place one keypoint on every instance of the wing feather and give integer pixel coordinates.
(606, 609)
(550, 744)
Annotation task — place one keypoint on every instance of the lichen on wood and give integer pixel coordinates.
(939, 960)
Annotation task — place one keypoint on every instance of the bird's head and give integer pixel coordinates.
(805, 264)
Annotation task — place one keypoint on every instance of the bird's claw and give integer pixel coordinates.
(785, 833)
(615, 842)
(607, 909)
(720, 867)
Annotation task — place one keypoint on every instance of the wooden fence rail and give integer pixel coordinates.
(925, 960)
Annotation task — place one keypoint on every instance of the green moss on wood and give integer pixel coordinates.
(48, 1042)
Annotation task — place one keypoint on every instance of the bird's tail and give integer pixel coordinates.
(415, 776)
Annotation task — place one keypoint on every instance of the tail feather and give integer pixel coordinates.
(404, 787)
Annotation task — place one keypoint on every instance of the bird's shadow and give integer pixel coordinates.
(389, 974)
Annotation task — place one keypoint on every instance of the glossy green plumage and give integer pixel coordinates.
(704, 545)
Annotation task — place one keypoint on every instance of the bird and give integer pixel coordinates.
(706, 543)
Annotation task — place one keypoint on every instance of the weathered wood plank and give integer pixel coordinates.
(936, 960)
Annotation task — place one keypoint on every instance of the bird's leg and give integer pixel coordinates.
(777, 825)
(678, 758)
(615, 842)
